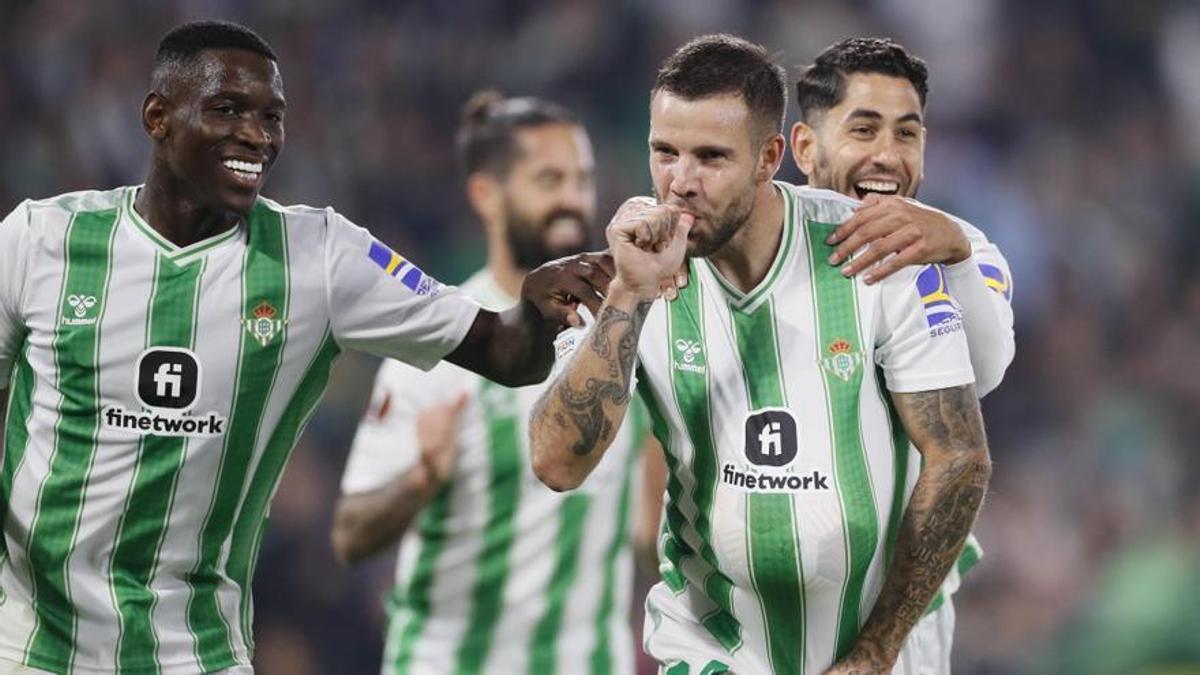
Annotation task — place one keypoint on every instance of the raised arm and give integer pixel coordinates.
(578, 415)
(946, 427)
(515, 347)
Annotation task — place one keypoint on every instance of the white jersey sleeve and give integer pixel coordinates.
(385, 445)
(982, 284)
(919, 340)
(14, 238)
(383, 304)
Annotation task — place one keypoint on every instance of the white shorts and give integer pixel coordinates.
(683, 647)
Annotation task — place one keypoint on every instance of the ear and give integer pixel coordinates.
(804, 147)
(155, 110)
(486, 196)
(770, 158)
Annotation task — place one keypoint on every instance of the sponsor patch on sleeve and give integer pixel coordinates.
(941, 310)
(996, 280)
(395, 266)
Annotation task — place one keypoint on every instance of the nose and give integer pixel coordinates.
(577, 195)
(886, 152)
(252, 132)
(685, 178)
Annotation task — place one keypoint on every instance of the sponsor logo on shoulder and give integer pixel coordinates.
(941, 310)
(995, 279)
(771, 447)
(398, 268)
(689, 356)
(80, 310)
(167, 384)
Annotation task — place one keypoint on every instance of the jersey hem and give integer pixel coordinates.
(911, 385)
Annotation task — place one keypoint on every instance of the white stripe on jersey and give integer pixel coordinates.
(385, 447)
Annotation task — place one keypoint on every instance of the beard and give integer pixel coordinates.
(724, 225)
(527, 237)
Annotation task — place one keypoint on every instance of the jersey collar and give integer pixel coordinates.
(750, 301)
(178, 254)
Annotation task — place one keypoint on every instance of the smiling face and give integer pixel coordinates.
(219, 126)
(549, 194)
(704, 158)
(872, 141)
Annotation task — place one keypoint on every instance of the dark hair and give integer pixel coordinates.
(724, 64)
(182, 43)
(486, 138)
(824, 83)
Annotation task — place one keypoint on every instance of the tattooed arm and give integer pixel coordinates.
(579, 413)
(577, 418)
(946, 426)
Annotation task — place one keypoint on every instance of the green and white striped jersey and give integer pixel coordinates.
(789, 469)
(500, 574)
(155, 394)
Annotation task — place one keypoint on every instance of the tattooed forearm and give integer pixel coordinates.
(947, 427)
(583, 407)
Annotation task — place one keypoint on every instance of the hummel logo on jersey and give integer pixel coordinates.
(263, 326)
(167, 382)
(689, 355)
(771, 437)
(80, 306)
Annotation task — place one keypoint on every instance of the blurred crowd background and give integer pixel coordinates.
(1069, 131)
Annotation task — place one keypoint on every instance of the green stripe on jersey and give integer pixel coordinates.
(544, 642)
(691, 387)
(60, 497)
(840, 353)
(775, 565)
(900, 450)
(601, 661)
(264, 280)
(252, 519)
(415, 601)
(499, 409)
(143, 523)
(16, 436)
(672, 525)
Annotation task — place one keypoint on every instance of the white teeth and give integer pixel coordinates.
(253, 169)
(878, 185)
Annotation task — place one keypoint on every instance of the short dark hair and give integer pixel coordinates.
(710, 65)
(823, 84)
(486, 138)
(184, 42)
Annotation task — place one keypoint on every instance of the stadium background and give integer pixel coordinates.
(1068, 131)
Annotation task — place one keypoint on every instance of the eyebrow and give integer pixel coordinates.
(859, 113)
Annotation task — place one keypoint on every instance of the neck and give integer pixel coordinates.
(502, 266)
(745, 260)
(167, 207)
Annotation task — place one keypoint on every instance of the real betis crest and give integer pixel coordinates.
(263, 326)
(842, 360)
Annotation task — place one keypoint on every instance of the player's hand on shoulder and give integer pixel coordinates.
(648, 241)
(558, 287)
(915, 233)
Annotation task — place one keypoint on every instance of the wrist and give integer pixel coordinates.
(959, 253)
(625, 297)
